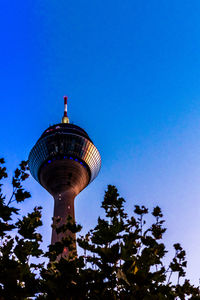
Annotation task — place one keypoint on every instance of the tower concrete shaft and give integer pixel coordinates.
(63, 179)
(63, 207)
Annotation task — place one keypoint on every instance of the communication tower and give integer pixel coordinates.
(64, 161)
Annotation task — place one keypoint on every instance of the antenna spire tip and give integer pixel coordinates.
(65, 118)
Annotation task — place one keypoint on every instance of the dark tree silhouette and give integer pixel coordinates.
(123, 257)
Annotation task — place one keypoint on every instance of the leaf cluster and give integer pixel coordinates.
(19, 241)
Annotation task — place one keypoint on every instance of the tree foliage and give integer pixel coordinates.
(122, 257)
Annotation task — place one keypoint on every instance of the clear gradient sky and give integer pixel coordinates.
(131, 70)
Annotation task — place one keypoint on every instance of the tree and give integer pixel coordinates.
(19, 241)
(123, 257)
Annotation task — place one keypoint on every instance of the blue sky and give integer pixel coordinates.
(131, 70)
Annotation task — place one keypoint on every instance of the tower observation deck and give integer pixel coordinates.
(64, 161)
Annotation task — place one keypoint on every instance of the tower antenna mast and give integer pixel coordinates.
(65, 118)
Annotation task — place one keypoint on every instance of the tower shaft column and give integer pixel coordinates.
(63, 207)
